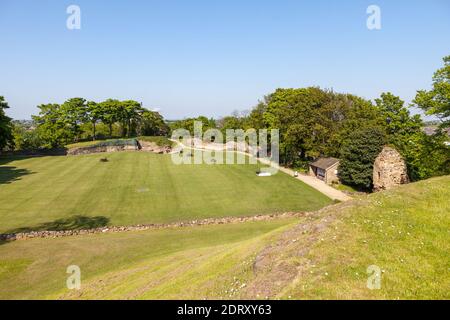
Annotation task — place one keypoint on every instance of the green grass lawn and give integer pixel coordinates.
(62, 192)
(405, 232)
(192, 262)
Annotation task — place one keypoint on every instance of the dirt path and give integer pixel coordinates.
(317, 184)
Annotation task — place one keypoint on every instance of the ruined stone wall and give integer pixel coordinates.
(143, 145)
(98, 149)
(389, 170)
(142, 227)
(153, 147)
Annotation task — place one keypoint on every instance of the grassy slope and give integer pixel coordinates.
(139, 187)
(405, 232)
(193, 262)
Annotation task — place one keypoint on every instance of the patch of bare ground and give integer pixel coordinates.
(283, 261)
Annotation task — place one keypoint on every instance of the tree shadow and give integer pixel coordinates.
(10, 174)
(76, 222)
(24, 155)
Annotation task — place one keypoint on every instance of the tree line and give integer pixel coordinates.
(315, 122)
(312, 122)
(77, 119)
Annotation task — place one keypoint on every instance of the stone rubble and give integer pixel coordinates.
(142, 146)
(142, 227)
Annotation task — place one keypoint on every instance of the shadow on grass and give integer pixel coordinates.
(10, 174)
(72, 223)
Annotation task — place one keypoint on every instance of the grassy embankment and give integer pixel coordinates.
(405, 232)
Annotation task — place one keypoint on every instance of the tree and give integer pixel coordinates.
(230, 122)
(358, 155)
(255, 120)
(109, 111)
(399, 122)
(6, 137)
(52, 127)
(94, 114)
(313, 122)
(188, 124)
(437, 100)
(293, 112)
(74, 112)
(426, 156)
(26, 138)
(130, 112)
(152, 123)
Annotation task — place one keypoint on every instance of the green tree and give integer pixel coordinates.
(437, 100)
(230, 122)
(399, 122)
(188, 124)
(358, 155)
(152, 123)
(255, 120)
(314, 122)
(293, 112)
(109, 110)
(74, 112)
(26, 138)
(426, 156)
(94, 114)
(129, 112)
(51, 126)
(6, 137)
(404, 131)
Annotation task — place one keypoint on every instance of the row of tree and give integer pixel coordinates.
(78, 119)
(315, 122)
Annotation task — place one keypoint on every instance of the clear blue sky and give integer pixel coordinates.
(211, 57)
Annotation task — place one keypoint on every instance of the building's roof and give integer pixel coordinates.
(324, 163)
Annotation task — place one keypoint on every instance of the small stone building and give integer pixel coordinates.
(325, 169)
(389, 170)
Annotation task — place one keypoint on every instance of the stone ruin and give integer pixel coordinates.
(139, 145)
(153, 147)
(389, 170)
(99, 149)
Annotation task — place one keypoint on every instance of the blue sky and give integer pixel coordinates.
(211, 57)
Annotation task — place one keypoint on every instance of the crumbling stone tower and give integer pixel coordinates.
(389, 170)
